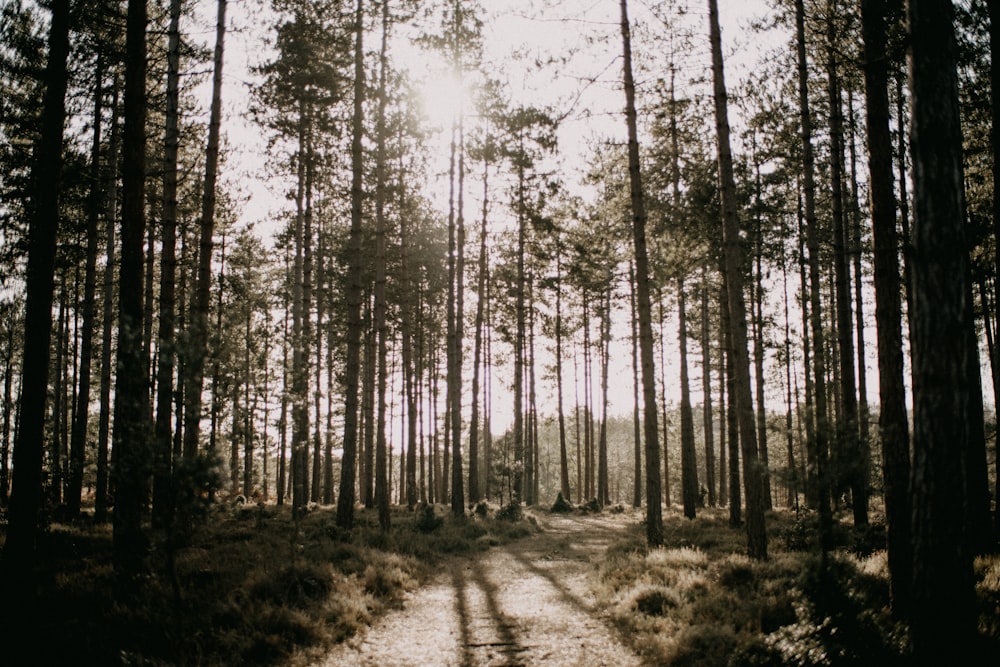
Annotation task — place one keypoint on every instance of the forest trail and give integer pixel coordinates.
(521, 604)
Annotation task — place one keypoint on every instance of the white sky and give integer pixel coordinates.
(585, 33)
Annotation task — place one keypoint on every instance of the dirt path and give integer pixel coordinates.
(525, 603)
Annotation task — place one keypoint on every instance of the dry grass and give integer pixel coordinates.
(250, 588)
(699, 601)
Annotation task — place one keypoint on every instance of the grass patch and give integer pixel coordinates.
(248, 587)
(698, 601)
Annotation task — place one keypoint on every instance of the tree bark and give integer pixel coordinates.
(706, 393)
(345, 502)
(26, 482)
(381, 327)
(131, 428)
(848, 436)
(78, 440)
(163, 452)
(732, 253)
(942, 351)
(689, 459)
(101, 500)
(822, 430)
(198, 342)
(654, 512)
(893, 425)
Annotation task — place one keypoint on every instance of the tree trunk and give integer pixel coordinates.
(893, 425)
(706, 393)
(77, 448)
(198, 342)
(345, 502)
(101, 500)
(994, 11)
(381, 328)
(733, 258)
(731, 417)
(864, 416)
(847, 426)
(757, 318)
(822, 430)
(131, 428)
(723, 404)
(942, 350)
(564, 487)
(654, 512)
(455, 376)
(474, 474)
(689, 459)
(603, 490)
(46, 169)
(636, 411)
(168, 263)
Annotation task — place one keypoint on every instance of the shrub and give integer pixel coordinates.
(427, 521)
(591, 506)
(512, 512)
(561, 505)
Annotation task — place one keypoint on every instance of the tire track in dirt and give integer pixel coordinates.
(521, 604)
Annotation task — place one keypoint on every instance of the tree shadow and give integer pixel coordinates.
(501, 637)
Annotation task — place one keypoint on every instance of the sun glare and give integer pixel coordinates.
(443, 98)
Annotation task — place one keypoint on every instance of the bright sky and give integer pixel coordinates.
(583, 36)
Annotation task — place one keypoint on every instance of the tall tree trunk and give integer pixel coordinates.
(411, 372)
(198, 341)
(457, 484)
(477, 355)
(663, 398)
(943, 351)
(864, 415)
(793, 477)
(847, 426)
(723, 404)
(994, 11)
(706, 393)
(101, 500)
(689, 459)
(732, 253)
(131, 428)
(77, 448)
(285, 391)
(519, 336)
(345, 502)
(731, 426)
(893, 425)
(636, 411)
(564, 487)
(757, 292)
(55, 476)
(8, 409)
(822, 431)
(46, 169)
(168, 263)
(603, 490)
(654, 512)
(381, 328)
(367, 460)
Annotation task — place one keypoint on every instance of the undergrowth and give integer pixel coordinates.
(249, 587)
(700, 602)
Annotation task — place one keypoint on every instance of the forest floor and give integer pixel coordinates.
(529, 602)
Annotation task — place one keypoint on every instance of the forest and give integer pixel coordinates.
(461, 332)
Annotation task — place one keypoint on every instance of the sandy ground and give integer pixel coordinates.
(524, 603)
